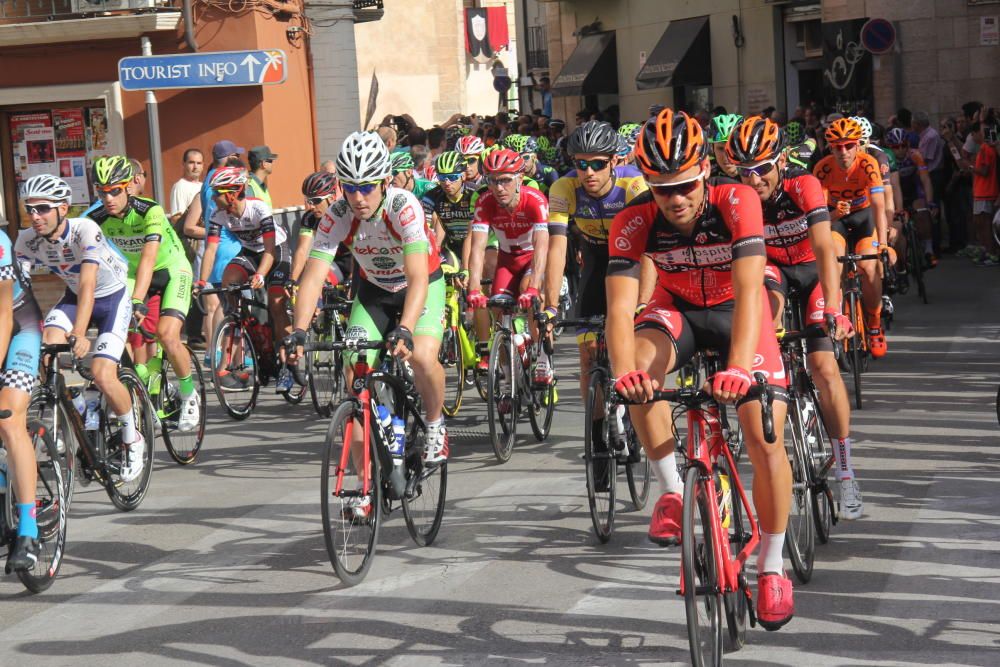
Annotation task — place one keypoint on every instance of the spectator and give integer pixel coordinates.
(545, 88)
(985, 192)
(388, 135)
(138, 184)
(261, 165)
(421, 163)
(188, 187)
(329, 166)
(957, 198)
(931, 146)
(416, 137)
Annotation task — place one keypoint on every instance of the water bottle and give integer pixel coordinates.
(521, 343)
(385, 421)
(620, 426)
(398, 444)
(79, 402)
(92, 419)
(724, 494)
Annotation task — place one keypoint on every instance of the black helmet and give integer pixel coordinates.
(594, 136)
(319, 184)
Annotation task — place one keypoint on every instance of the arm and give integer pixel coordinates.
(540, 243)
(555, 266)
(84, 306)
(823, 247)
(647, 280)
(268, 258)
(748, 276)
(417, 280)
(925, 180)
(193, 229)
(897, 191)
(7, 322)
(208, 259)
(310, 289)
(302, 249)
(438, 228)
(623, 297)
(878, 215)
(476, 253)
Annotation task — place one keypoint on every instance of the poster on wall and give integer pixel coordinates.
(71, 150)
(40, 145)
(847, 69)
(97, 131)
(19, 122)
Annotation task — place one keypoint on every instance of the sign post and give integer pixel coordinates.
(878, 36)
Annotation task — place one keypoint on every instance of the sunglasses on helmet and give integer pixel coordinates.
(363, 188)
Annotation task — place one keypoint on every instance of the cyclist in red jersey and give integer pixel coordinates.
(707, 243)
(519, 216)
(801, 253)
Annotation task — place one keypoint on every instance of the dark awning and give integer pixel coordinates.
(682, 57)
(592, 68)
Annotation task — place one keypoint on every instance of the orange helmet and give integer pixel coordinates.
(669, 143)
(843, 130)
(755, 139)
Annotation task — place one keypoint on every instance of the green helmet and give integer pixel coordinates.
(627, 129)
(794, 133)
(515, 142)
(723, 126)
(449, 162)
(543, 143)
(548, 155)
(112, 170)
(489, 149)
(401, 161)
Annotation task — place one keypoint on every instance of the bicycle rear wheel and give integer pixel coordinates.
(699, 574)
(128, 495)
(55, 420)
(426, 488)
(855, 351)
(232, 353)
(454, 371)
(820, 461)
(324, 371)
(916, 261)
(735, 603)
(351, 519)
(50, 507)
(637, 466)
(800, 540)
(541, 408)
(501, 395)
(599, 460)
(183, 446)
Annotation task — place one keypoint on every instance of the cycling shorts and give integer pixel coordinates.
(803, 279)
(691, 328)
(592, 296)
(147, 330)
(511, 270)
(376, 312)
(281, 270)
(20, 368)
(173, 289)
(112, 316)
(856, 231)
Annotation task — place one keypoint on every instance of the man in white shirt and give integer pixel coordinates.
(182, 194)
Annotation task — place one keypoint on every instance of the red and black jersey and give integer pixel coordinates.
(797, 204)
(696, 268)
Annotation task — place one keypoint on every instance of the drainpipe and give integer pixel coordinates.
(188, 13)
(155, 150)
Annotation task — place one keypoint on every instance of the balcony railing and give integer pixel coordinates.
(537, 48)
(20, 9)
(368, 10)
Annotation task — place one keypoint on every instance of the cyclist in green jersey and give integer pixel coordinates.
(157, 265)
(402, 175)
(448, 209)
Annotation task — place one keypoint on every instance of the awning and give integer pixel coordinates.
(682, 57)
(592, 68)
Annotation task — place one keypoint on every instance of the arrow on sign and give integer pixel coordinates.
(250, 61)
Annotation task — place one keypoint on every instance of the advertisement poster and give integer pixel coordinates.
(97, 131)
(19, 122)
(40, 146)
(68, 126)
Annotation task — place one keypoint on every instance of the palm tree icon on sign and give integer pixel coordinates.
(271, 66)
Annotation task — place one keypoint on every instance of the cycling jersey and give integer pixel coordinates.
(695, 268)
(513, 229)
(455, 216)
(545, 176)
(81, 242)
(421, 186)
(380, 243)
(591, 215)
(855, 185)
(889, 156)
(909, 174)
(884, 167)
(143, 221)
(802, 155)
(251, 228)
(21, 364)
(11, 270)
(795, 205)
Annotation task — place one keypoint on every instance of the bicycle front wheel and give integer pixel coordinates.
(599, 460)
(426, 487)
(699, 573)
(183, 446)
(128, 494)
(735, 603)
(233, 355)
(800, 542)
(454, 371)
(855, 349)
(324, 369)
(820, 461)
(637, 467)
(351, 518)
(541, 409)
(53, 417)
(501, 400)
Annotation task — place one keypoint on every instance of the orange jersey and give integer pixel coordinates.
(855, 185)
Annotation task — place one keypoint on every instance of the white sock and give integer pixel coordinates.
(129, 434)
(666, 472)
(435, 423)
(842, 456)
(769, 558)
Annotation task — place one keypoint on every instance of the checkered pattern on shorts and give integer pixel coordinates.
(18, 380)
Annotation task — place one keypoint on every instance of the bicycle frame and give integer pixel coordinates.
(454, 314)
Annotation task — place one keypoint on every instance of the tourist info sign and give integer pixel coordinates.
(203, 70)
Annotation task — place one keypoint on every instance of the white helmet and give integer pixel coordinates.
(46, 187)
(866, 128)
(231, 178)
(363, 158)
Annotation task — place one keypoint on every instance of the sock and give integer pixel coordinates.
(842, 456)
(129, 434)
(143, 372)
(666, 472)
(769, 558)
(154, 365)
(26, 526)
(187, 386)
(435, 423)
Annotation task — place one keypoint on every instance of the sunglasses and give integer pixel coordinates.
(596, 165)
(227, 192)
(40, 209)
(451, 178)
(110, 192)
(760, 170)
(683, 188)
(471, 160)
(363, 188)
(316, 201)
(851, 145)
(500, 181)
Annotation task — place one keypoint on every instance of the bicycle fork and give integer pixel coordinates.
(365, 397)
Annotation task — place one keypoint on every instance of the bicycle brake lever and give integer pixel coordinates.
(767, 413)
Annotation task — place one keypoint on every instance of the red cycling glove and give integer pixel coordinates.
(630, 380)
(476, 299)
(838, 320)
(527, 298)
(734, 380)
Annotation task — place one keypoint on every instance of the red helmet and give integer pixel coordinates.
(503, 161)
(232, 179)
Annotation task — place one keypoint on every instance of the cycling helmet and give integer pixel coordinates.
(866, 128)
(229, 179)
(112, 170)
(722, 126)
(794, 133)
(449, 162)
(319, 184)
(363, 158)
(878, 133)
(754, 140)
(401, 161)
(515, 142)
(531, 145)
(548, 155)
(628, 129)
(594, 136)
(470, 145)
(488, 150)
(843, 130)
(542, 142)
(623, 147)
(669, 143)
(49, 188)
(897, 136)
(557, 124)
(503, 161)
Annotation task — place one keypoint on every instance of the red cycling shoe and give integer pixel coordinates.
(775, 605)
(665, 526)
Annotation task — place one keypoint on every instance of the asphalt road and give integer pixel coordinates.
(224, 563)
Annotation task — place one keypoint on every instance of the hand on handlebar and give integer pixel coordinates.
(636, 386)
(838, 324)
(843, 208)
(476, 300)
(293, 345)
(199, 287)
(527, 298)
(401, 342)
(80, 345)
(730, 385)
(256, 281)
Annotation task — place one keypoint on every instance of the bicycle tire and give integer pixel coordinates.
(541, 408)
(38, 409)
(916, 263)
(324, 372)
(820, 456)
(699, 572)
(736, 603)
(800, 539)
(51, 510)
(426, 487)
(998, 405)
(502, 422)
(854, 346)
(350, 541)
(238, 411)
(127, 496)
(453, 361)
(296, 394)
(637, 473)
(182, 447)
(601, 503)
